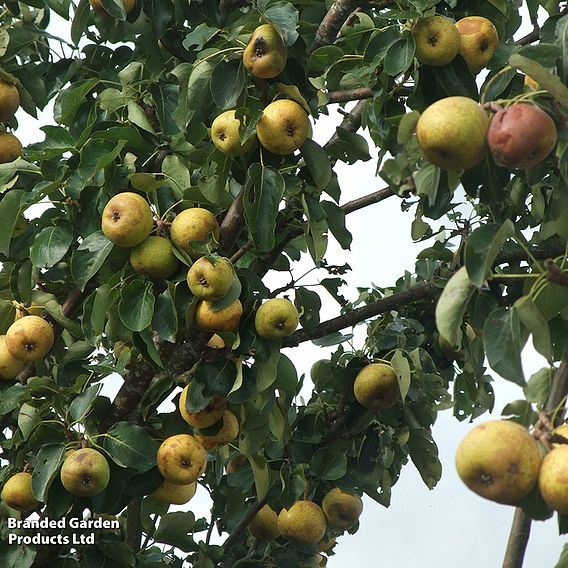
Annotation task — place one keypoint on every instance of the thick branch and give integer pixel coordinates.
(367, 200)
(332, 22)
(350, 95)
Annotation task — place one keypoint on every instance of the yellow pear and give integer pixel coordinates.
(127, 219)
(225, 135)
(193, 224)
(212, 413)
(499, 460)
(276, 318)
(173, 494)
(303, 522)
(228, 432)
(341, 509)
(210, 279)
(226, 319)
(562, 430)
(10, 148)
(452, 133)
(265, 54)
(9, 100)
(437, 40)
(376, 387)
(552, 479)
(154, 258)
(265, 524)
(10, 367)
(283, 127)
(478, 41)
(216, 342)
(32, 310)
(17, 492)
(30, 338)
(85, 473)
(181, 459)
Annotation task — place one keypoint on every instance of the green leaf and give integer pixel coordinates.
(28, 418)
(83, 403)
(11, 398)
(9, 211)
(49, 459)
(349, 147)
(400, 55)
(69, 100)
(227, 82)
(261, 474)
(130, 446)
(14, 556)
(89, 257)
(199, 36)
(285, 16)
(424, 455)
(533, 319)
(329, 464)
(175, 529)
(51, 244)
(96, 155)
(401, 367)
(427, 181)
(538, 386)
(57, 142)
(165, 318)
(80, 21)
(136, 304)
(318, 163)
(60, 7)
(267, 366)
(336, 223)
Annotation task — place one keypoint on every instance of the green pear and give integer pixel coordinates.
(154, 258)
(10, 148)
(127, 219)
(283, 127)
(226, 137)
(181, 459)
(17, 492)
(276, 318)
(210, 278)
(437, 40)
(9, 100)
(341, 509)
(552, 478)
(452, 133)
(10, 366)
(173, 494)
(376, 387)
(478, 41)
(29, 338)
(264, 525)
(227, 319)
(212, 413)
(265, 54)
(303, 522)
(85, 473)
(499, 460)
(193, 224)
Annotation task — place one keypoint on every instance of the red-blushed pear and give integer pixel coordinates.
(276, 318)
(127, 219)
(228, 432)
(376, 387)
(265, 55)
(478, 41)
(10, 147)
(30, 338)
(226, 137)
(264, 525)
(521, 136)
(303, 522)
(212, 413)
(85, 473)
(181, 459)
(154, 258)
(226, 319)
(9, 100)
(17, 492)
(437, 40)
(553, 478)
(98, 7)
(173, 494)
(452, 133)
(10, 366)
(210, 278)
(283, 127)
(193, 224)
(341, 509)
(499, 460)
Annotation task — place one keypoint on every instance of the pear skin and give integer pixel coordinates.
(552, 479)
(225, 135)
(276, 318)
(283, 127)
(437, 40)
(478, 41)
(127, 219)
(181, 459)
(10, 148)
(228, 432)
(341, 509)
(173, 494)
(30, 338)
(265, 54)
(210, 280)
(9, 100)
(226, 319)
(303, 522)
(10, 367)
(154, 258)
(264, 525)
(85, 473)
(17, 492)
(376, 387)
(193, 224)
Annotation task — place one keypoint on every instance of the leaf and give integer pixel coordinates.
(83, 403)
(400, 55)
(329, 464)
(28, 418)
(349, 147)
(69, 100)
(51, 244)
(97, 154)
(267, 366)
(130, 446)
(49, 459)
(227, 82)
(318, 163)
(136, 304)
(80, 21)
(336, 223)
(175, 529)
(427, 181)
(9, 211)
(533, 319)
(14, 556)
(261, 474)
(165, 318)
(401, 367)
(424, 455)
(89, 257)
(60, 7)
(199, 36)
(285, 16)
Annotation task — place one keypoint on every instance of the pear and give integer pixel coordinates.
(10, 148)
(452, 133)
(226, 319)
(154, 258)
(10, 367)
(30, 338)
(212, 413)
(562, 430)
(98, 7)
(210, 279)
(376, 387)
(303, 522)
(226, 137)
(193, 224)
(283, 127)
(552, 479)
(326, 543)
(264, 525)
(276, 318)
(32, 310)
(437, 40)
(521, 136)
(17, 492)
(228, 432)
(127, 219)
(181, 459)
(216, 342)
(499, 460)
(265, 54)
(9, 100)
(341, 509)
(478, 41)
(85, 473)
(173, 494)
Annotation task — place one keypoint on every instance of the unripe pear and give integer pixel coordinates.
(17, 492)
(226, 319)
(276, 318)
(265, 54)
(303, 522)
(209, 280)
(264, 525)
(341, 509)
(154, 258)
(10, 366)
(10, 148)
(85, 473)
(228, 432)
(173, 494)
(212, 413)
(127, 219)
(376, 387)
(181, 459)
(226, 137)
(30, 338)
(283, 127)
(437, 40)
(9, 100)
(478, 41)
(193, 224)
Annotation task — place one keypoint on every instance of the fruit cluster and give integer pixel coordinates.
(10, 146)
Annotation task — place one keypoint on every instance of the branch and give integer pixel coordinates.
(232, 224)
(351, 121)
(350, 95)
(554, 273)
(367, 200)
(332, 22)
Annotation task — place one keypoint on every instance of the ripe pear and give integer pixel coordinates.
(499, 460)
(276, 318)
(478, 41)
(437, 40)
(283, 127)
(127, 219)
(265, 524)
(10, 367)
(97, 6)
(212, 413)
(193, 224)
(10, 148)
(225, 135)
(9, 100)
(181, 459)
(173, 494)
(210, 279)
(154, 258)
(30, 338)
(562, 430)
(226, 319)
(17, 492)
(552, 479)
(303, 522)
(341, 509)
(521, 136)
(228, 432)
(32, 310)
(265, 54)
(216, 342)
(85, 473)
(452, 131)
(376, 387)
